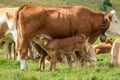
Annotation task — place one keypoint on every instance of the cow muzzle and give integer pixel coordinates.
(103, 38)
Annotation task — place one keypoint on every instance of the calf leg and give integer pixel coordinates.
(69, 61)
(53, 66)
(42, 63)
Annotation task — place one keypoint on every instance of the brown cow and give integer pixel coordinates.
(59, 22)
(115, 52)
(103, 47)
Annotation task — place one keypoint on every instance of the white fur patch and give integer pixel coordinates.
(11, 27)
(23, 65)
(114, 16)
(113, 12)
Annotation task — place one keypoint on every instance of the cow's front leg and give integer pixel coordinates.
(23, 51)
(23, 64)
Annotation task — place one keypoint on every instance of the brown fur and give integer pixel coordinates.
(57, 49)
(104, 47)
(57, 22)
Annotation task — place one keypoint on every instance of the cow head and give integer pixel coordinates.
(112, 17)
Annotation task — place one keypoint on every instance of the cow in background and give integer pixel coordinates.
(115, 52)
(8, 32)
(59, 22)
(103, 47)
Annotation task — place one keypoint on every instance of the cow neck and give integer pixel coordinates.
(103, 28)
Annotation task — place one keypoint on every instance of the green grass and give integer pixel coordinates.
(103, 69)
(92, 4)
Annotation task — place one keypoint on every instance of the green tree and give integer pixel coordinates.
(106, 3)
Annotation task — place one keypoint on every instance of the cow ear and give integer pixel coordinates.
(108, 17)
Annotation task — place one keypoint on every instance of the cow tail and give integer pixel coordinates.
(16, 22)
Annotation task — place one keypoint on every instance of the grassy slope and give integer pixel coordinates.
(92, 4)
(102, 71)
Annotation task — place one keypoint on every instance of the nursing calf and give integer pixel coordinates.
(57, 49)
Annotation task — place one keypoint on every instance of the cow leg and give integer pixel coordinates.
(23, 63)
(14, 51)
(54, 66)
(6, 50)
(23, 50)
(42, 63)
(69, 61)
(51, 64)
(9, 50)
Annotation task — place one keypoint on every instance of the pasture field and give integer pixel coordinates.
(103, 69)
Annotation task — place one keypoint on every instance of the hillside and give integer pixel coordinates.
(92, 4)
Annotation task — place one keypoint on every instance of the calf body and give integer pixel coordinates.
(104, 47)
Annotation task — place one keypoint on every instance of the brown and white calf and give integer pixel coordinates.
(103, 47)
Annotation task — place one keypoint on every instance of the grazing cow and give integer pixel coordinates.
(59, 22)
(103, 47)
(115, 52)
(8, 30)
